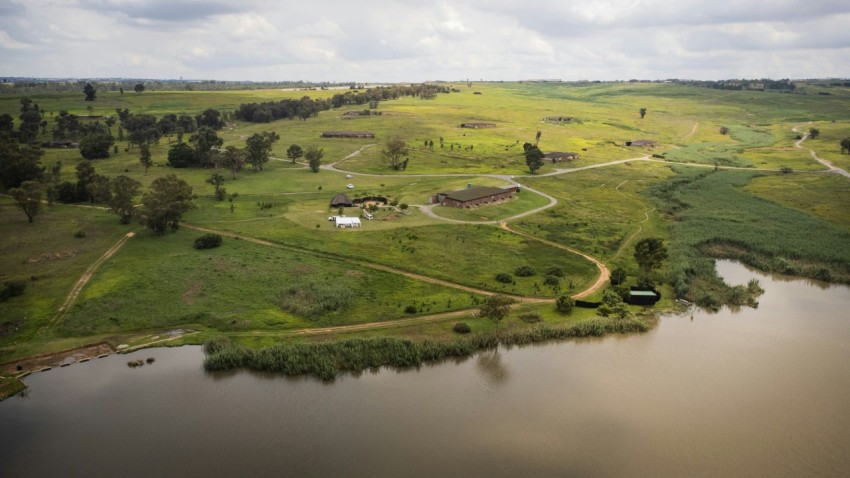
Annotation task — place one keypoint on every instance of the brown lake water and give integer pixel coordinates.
(762, 392)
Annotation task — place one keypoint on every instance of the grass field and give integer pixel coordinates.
(794, 223)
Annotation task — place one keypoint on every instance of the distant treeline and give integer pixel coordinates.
(760, 85)
(307, 107)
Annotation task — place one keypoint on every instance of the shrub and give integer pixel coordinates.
(504, 278)
(618, 276)
(410, 309)
(555, 271)
(531, 317)
(208, 241)
(724, 130)
(551, 280)
(12, 289)
(524, 271)
(565, 304)
(403, 206)
(462, 328)
(80, 234)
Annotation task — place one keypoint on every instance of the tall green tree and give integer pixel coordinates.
(124, 188)
(86, 175)
(496, 308)
(96, 145)
(139, 88)
(258, 148)
(642, 113)
(394, 150)
(205, 141)
(232, 159)
(294, 152)
(650, 253)
(18, 162)
(814, 133)
(145, 156)
(210, 118)
(165, 203)
(90, 92)
(314, 155)
(28, 198)
(533, 157)
(31, 119)
(845, 145)
(181, 155)
(217, 180)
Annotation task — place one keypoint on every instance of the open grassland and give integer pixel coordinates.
(264, 294)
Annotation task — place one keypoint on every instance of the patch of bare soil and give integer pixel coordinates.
(58, 359)
(50, 256)
(192, 293)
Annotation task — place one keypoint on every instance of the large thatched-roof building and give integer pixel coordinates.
(341, 200)
(473, 196)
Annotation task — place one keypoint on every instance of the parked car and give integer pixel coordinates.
(350, 186)
(368, 215)
(349, 176)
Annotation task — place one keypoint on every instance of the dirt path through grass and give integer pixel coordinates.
(832, 167)
(87, 275)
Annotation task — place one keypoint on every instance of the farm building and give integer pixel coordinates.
(558, 157)
(347, 134)
(643, 297)
(64, 143)
(645, 143)
(558, 119)
(341, 200)
(343, 221)
(473, 196)
(478, 125)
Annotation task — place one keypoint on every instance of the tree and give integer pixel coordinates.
(145, 156)
(814, 133)
(31, 119)
(96, 145)
(294, 152)
(18, 162)
(537, 137)
(393, 152)
(85, 177)
(166, 202)
(642, 113)
(181, 155)
(123, 189)
(232, 159)
(496, 307)
(313, 155)
(217, 180)
(210, 118)
(724, 130)
(618, 276)
(258, 148)
(139, 88)
(205, 140)
(90, 92)
(565, 304)
(28, 198)
(650, 253)
(533, 157)
(845, 145)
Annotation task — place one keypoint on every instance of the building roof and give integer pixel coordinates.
(341, 199)
(346, 221)
(558, 154)
(643, 293)
(477, 192)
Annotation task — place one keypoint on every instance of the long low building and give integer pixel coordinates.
(473, 196)
(348, 134)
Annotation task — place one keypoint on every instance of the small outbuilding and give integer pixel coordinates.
(559, 157)
(643, 143)
(643, 297)
(478, 125)
(341, 200)
(474, 196)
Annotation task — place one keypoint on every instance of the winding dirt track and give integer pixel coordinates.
(832, 167)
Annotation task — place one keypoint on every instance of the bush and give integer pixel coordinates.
(531, 317)
(555, 271)
(462, 328)
(12, 289)
(565, 304)
(315, 299)
(80, 234)
(724, 130)
(411, 309)
(504, 278)
(618, 276)
(551, 280)
(403, 206)
(208, 241)
(524, 271)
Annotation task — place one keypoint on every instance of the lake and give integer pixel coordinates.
(762, 392)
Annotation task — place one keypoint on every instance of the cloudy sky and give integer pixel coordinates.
(418, 40)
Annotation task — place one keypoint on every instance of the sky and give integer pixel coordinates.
(423, 40)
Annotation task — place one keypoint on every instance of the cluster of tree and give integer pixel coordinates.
(283, 109)
(383, 93)
(204, 150)
(845, 146)
(20, 154)
(395, 153)
(743, 84)
(21, 85)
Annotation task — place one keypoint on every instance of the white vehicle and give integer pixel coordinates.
(368, 215)
(350, 186)
(349, 176)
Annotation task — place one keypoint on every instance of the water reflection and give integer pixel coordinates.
(490, 367)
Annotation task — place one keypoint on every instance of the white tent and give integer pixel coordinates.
(347, 221)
